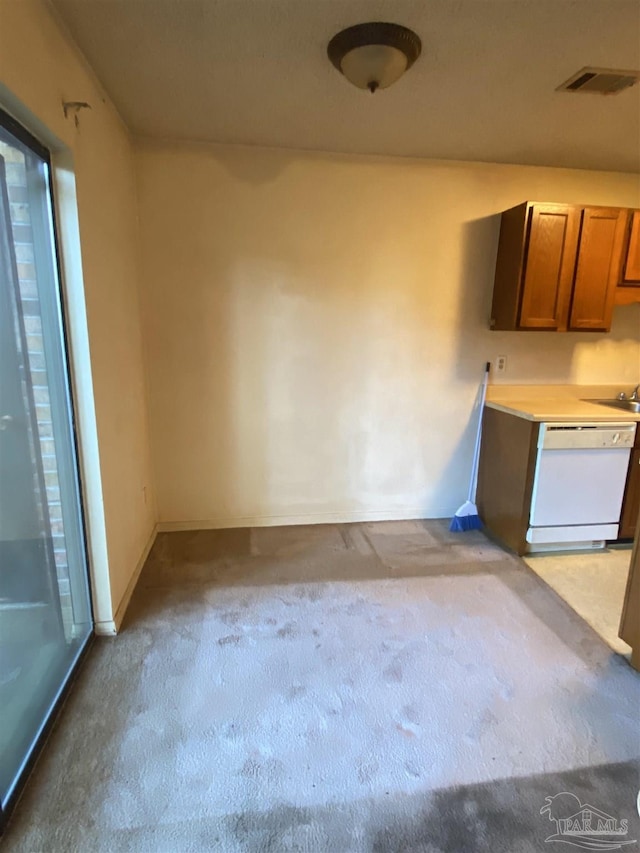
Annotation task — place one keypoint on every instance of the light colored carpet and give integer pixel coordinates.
(593, 584)
(343, 688)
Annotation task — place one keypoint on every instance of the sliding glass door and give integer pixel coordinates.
(45, 613)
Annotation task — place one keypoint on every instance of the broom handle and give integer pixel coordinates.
(473, 485)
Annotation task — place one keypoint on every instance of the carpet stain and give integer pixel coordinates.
(480, 725)
(308, 592)
(393, 673)
(232, 617)
(230, 640)
(367, 770)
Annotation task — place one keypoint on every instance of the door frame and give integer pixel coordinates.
(14, 127)
(74, 303)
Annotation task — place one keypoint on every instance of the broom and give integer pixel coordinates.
(467, 518)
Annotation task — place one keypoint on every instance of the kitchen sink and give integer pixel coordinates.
(626, 405)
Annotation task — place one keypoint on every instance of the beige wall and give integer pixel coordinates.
(39, 68)
(317, 327)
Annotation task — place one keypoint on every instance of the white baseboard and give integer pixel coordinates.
(404, 514)
(105, 628)
(110, 627)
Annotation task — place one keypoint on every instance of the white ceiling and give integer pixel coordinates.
(256, 72)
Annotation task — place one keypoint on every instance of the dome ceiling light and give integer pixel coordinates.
(373, 56)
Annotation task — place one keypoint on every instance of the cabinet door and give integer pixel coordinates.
(549, 266)
(598, 269)
(631, 267)
(631, 505)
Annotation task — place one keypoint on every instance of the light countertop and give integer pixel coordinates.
(559, 403)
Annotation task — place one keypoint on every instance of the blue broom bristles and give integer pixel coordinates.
(460, 523)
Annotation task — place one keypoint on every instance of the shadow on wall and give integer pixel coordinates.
(254, 171)
(475, 292)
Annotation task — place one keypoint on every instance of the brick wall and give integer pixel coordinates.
(24, 249)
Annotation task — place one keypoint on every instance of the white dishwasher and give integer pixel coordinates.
(578, 485)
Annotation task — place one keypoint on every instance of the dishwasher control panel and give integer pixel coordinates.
(565, 436)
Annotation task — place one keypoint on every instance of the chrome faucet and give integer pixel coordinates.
(633, 396)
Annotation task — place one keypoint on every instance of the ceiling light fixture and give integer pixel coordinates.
(373, 56)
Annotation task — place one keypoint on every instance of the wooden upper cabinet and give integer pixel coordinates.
(631, 265)
(598, 268)
(548, 270)
(557, 267)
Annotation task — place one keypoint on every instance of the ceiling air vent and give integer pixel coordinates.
(600, 81)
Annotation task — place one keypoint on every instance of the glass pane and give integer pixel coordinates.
(45, 614)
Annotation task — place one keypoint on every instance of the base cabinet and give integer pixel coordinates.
(631, 505)
(505, 476)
